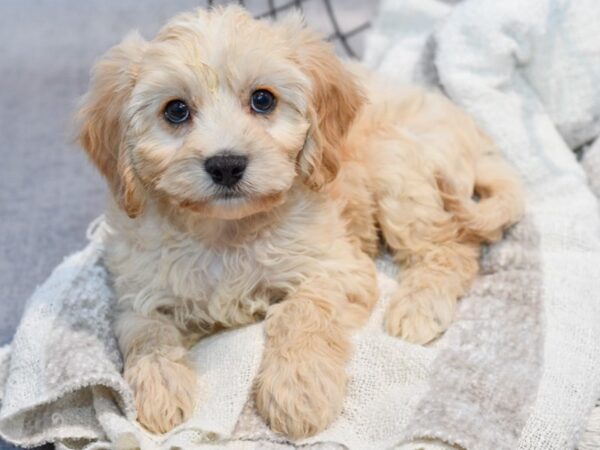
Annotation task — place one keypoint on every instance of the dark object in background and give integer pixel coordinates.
(340, 35)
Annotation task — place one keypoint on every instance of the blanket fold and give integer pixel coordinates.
(59, 353)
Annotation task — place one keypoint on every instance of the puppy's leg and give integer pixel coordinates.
(157, 369)
(301, 384)
(437, 267)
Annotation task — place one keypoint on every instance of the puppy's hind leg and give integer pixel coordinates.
(436, 266)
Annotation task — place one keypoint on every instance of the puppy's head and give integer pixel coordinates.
(219, 114)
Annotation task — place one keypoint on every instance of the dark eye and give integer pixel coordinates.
(177, 112)
(262, 101)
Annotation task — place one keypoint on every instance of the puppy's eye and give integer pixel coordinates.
(262, 101)
(177, 112)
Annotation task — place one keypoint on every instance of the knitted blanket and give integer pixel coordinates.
(520, 366)
(528, 73)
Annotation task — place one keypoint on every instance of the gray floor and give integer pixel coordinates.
(48, 191)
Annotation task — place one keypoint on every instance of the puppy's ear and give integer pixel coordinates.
(335, 100)
(102, 124)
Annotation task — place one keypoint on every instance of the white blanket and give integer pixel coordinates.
(529, 72)
(517, 67)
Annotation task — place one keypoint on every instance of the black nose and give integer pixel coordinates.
(226, 169)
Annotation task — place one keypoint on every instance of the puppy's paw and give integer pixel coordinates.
(300, 397)
(164, 392)
(419, 317)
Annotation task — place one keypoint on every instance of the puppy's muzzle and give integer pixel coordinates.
(226, 169)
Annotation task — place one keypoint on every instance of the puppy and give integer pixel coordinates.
(252, 176)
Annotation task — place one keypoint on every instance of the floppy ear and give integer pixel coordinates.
(335, 100)
(101, 117)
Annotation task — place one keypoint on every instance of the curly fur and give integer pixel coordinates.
(344, 158)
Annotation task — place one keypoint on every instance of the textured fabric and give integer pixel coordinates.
(4, 365)
(590, 439)
(87, 349)
(591, 165)
(401, 45)
(483, 384)
(527, 71)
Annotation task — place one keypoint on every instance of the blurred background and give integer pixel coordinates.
(49, 192)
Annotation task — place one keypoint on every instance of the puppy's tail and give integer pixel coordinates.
(498, 202)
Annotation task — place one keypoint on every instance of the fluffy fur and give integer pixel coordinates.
(343, 160)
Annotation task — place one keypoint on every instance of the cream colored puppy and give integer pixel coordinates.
(252, 175)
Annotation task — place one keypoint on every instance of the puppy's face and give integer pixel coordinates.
(219, 114)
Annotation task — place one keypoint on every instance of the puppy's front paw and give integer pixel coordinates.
(164, 392)
(419, 317)
(302, 397)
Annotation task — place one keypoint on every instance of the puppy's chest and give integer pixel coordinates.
(197, 285)
(214, 274)
(157, 267)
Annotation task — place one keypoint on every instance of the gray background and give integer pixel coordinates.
(48, 190)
